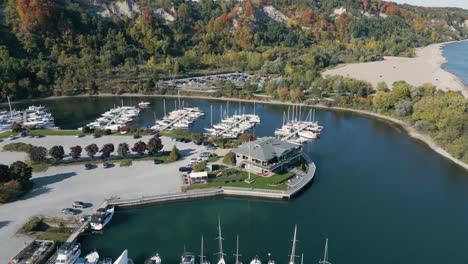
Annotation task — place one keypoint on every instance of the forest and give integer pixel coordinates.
(55, 47)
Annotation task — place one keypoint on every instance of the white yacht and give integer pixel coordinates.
(156, 259)
(102, 217)
(187, 258)
(143, 104)
(307, 134)
(68, 253)
(91, 258)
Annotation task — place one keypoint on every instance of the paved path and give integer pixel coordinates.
(58, 187)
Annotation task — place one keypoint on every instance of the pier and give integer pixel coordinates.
(172, 122)
(295, 132)
(295, 185)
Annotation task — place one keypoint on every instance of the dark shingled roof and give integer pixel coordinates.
(265, 148)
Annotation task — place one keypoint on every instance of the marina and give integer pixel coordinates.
(115, 118)
(33, 116)
(298, 131)
(181, 118)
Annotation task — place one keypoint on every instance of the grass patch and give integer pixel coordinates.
(57, 236)
(18, 147)
(53, 132)
(126, 163)
(32, 225)
(180, 133)
(235, 178)
(40, 167)
(213, 158)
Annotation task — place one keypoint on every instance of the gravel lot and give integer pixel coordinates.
(58, 187)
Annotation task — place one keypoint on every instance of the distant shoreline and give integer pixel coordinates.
(426, 67)
(412, 132)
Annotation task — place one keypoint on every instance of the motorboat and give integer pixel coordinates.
(187, 258)
(102, 217)
(143, 104)
(307, 134)
(68, 253)
(156, 259)
(91, 258)
(255, 260)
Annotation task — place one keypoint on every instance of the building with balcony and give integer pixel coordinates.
(267, 155)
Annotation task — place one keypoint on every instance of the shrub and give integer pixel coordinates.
(200, 166)
(230, 158)
(21, 147)
(38, 154)
(174, 154)
(16, 127)
(32, 224)
(424, 126)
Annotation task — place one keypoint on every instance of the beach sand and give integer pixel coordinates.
(424, 68)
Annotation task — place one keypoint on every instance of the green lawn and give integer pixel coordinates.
(235, 178)
(213, 158)
(180, 133)
(42, 131)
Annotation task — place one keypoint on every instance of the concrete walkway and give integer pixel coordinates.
(58, 187)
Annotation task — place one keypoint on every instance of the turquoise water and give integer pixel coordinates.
(457, 59)
(379, 196)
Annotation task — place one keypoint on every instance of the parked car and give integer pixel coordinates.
(185, 140)
(106, 165)
(185, 169)
(96, 135)
(136, 136)
(157, 161)
(205, 154)
(78, 204)
(11, 137)
(24, 134)
(79, 135)
(88, 166)
(70, 211)
(197, 142)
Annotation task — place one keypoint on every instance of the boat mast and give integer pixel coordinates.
(293, 249)
(221, 112)
(220, 240)
(302, 258)
(164, 103)
(201, 255)
(325, 254)
(237, 251)
(288, 114)
(178, 95)
(9, 104)
(211, 115)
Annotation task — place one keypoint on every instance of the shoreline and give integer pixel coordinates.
(425, 67)
(412, 132)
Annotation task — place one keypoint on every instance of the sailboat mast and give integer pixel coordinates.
(325, 254)
(237, 251)
(254, 107)
(211, 115)
(201, 254)
(164, 105)
(293, 249)
(220, 239)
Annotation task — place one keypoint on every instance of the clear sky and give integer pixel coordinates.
(438, 3)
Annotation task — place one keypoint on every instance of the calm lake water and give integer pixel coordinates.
(457, 59)
(379, 196)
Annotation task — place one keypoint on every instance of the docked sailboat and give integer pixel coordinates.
(68, 253)
(202, 257)
(270, 261)
(255, 260)
(237, 252)
(102, 217)
(325, 254)
(293, 256)
(156, 259)
(220, 241)
(187, 258)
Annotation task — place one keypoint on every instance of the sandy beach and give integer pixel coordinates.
(424, 68)
(59, 186)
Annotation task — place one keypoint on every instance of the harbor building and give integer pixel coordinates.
(267, 155)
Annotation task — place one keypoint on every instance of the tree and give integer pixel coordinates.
(20, 171)
(174, 154)
(139, 147)
(383, 101)
(4, 173)
(404, 107)
(123, 149)
(154, 145)
(75, 152)
(91, 150)
(230, 158)
(38, 154)
(382, 87)
(106, 150)
(16, 127)
(57, 153)
(200, 166)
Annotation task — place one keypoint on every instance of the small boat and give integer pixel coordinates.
(255, 260)
(270, 261)
(102, 217)
(156, 259)
(187, 258)
(307, 134)
(143, 104)
(91, 258)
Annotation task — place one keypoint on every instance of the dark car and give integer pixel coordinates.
(78, 204)
(185, 169)
(70, 211)
(136, 136)
(185, 140)
(178, 140)
(197, 142)
(96, 135)
(106, 165)
(157, 161)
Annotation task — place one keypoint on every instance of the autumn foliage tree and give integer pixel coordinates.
(35, 13)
